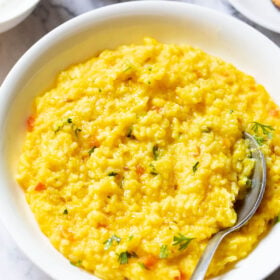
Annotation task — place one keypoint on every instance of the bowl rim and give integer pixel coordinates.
(41, 46)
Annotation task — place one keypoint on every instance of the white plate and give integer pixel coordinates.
(81, 38)
(262, 12)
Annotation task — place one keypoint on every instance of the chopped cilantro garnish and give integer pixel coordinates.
(164, 252)
(77, 130)
(57, 129)
(153, 170)
(129, 133)
(113, 173)
(266, 129)
(130, 237)
(78, 263)
(195, 166)
(250, 154)
(155, 152)
(124, 256)
(73, 126)
(206, 129)
(65, 212)
(260, 140)
(231, 111)
(182, 241)
(92, 150)
(69, 120)
(109, 242)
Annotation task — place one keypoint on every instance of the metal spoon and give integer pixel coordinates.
(245, 210)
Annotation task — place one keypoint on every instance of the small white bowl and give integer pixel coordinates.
(81, 38)
(12, 12)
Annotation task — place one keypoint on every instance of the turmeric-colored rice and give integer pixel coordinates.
(134, 159)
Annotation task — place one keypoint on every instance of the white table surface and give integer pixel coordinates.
(13, 43)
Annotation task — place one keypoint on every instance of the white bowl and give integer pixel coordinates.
(12, 12)
(262, 12)
(79, 39)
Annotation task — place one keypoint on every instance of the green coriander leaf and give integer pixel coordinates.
(250, 154)
(124, 256)
(195, 166)
(109, 242)
(129, 133)
(130, 237)
(260, 140)
(65, 212)
(155, 152)
(231, 111)
(77, 130)
(58, 128)
(266, 129)
(78, 263)
(92, 150)
(153, 170)
(112, 173)
(182, 241)
(206, 129)
(117, 239)
(68, 121)
(164, 252)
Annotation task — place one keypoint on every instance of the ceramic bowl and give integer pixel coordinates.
(262, 12)
(12, 12)
(83, 37)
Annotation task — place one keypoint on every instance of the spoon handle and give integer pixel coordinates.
(205, 260)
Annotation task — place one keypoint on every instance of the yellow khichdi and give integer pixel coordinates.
(135, 158)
